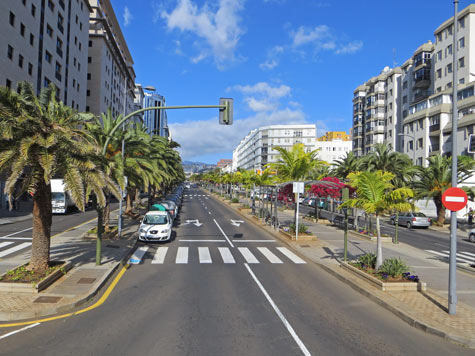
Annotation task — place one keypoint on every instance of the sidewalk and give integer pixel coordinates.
(80, 284)
(22, 213)
(424, 310)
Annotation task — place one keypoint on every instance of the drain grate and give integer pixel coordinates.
(112, 246)
(86, 280)
(45, 299)
(304, 245)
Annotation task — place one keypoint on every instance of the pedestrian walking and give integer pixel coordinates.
(470, 217)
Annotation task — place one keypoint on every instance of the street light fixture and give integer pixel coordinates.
(413, 145)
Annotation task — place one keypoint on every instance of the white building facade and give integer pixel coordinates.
(329, 151)
(256, 150)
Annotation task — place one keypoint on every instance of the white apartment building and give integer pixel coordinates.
(418, 97)
(256, 149)
(43, 42)
(330, 151)
(110, 73)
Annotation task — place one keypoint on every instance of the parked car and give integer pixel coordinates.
(471, 235)
(156, 226)
(411, 219)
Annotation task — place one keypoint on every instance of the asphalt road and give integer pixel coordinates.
(219, 289)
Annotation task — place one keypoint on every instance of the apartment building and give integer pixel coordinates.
(418, 97)
(110, 73)
(332, 146)
(43, 42)
(256, 150)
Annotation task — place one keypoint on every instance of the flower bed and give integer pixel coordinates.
(23, 281)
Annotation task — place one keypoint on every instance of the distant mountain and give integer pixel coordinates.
(191, 163)
(195, 167)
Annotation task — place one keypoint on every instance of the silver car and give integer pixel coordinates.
(471, 235)
(411, 219)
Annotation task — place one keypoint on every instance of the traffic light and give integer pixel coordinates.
(471, 144)
(226, 113)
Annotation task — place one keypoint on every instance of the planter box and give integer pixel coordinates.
(15, 287)
(371, 238)
(386, 286)
(301, 237)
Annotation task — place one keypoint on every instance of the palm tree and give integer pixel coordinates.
(41, 138)
(295, 164)
(375, 195)
(432, 181)
(348, 164)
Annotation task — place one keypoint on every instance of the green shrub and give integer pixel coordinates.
(302, 228)
(234, 200)
(367, 260)
(394, 267)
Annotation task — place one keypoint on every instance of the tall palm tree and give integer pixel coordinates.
(432, 181)
(295, 164)
(41, 138)
(346, 165)
(375, 195)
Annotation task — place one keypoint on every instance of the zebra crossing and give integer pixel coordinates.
(195, 195)
(462, 257)
(203, 255)
(6, 247)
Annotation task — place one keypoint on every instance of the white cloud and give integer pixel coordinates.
(264, 89)
(199, 138)
(260, 105)
(269, 64)
(272, 58)
(219, 32)
(127, 16)
(322, 38)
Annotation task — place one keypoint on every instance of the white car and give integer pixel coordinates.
(156, 226)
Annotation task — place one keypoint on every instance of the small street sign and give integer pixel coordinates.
(454, 199)
(298, 187)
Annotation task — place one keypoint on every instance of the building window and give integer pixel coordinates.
(33, 10)
(439, 73)
(60, 23)
(89, 59)
(462, 62)
(79, 67)
(20, 61)
(439, 89)
(49, 30)
(75, 40)
(23, 2)
(462, 22)
(48, 57)
(439, 56)
(449, 85)
(439, 37)
(12, 18)
(80, 26)
(10, 52)
(46, 82)
(448, 51)
(58, 71)
(404, 99)
(51, 5)
(87, 108)
(8, 84)
(404, 84)
(462, 42)
(449, 68)
(59, 47)
(32, 39)
(22, 30)
(30, 68)
(88, 92)
(462, 81)
(80, 45)
(88, 76)
(90, 44)
(420, 143)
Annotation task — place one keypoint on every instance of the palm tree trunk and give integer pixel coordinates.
(128, 205)
(440, 210)
(137, 197)
(107, 214)
(379, 252)
(42, 219)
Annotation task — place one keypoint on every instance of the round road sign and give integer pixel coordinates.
(454, 199)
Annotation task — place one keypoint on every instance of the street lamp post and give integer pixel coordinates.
(413, 145)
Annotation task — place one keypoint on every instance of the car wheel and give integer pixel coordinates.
(408, 225)
(472, 237)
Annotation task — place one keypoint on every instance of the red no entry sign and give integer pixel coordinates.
(454, 199)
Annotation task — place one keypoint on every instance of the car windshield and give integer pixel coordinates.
(57, 196)
(419, 215)
(155, 220)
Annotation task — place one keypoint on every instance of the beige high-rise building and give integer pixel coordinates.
(110, 73)
(46, 42)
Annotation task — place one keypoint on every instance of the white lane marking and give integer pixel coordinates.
(279, 313)
(182, 255)
(292, 256)
(138, 255)
(219, 227)
(249, 257)
(14, 233)
(226, 255)
(239, 240)
(159, 256)
(445, 255)
(19, 330)
(467, 253)
(16, 238)
(3, 244)
(471, 259)
(269, 255)
(14, 249)
(203, 240)
(205, 257)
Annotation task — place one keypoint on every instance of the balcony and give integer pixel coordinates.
(435, 127)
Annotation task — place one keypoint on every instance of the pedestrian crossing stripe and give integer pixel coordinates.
(464, 257)
(204, 255)
(12, 249)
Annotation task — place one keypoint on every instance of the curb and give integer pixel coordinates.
(470, 343)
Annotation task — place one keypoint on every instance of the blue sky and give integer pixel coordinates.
(283, 61)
